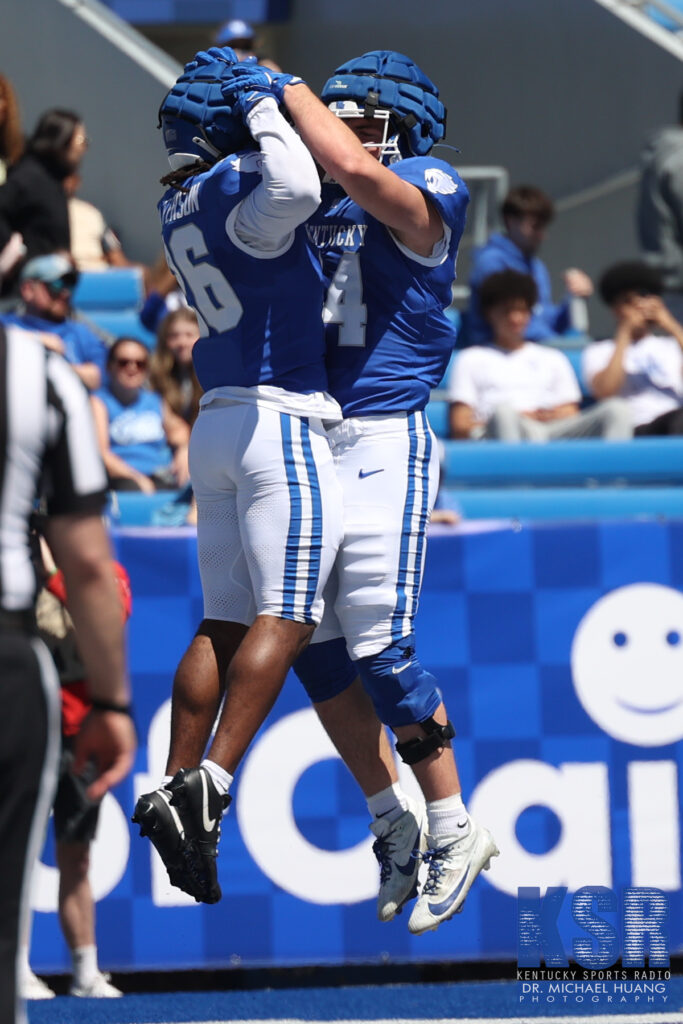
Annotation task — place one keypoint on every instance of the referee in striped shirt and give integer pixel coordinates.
(48, 448)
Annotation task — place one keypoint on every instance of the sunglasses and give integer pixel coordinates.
(140, 364)
(65, 283)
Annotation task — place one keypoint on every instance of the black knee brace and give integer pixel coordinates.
(417, 749)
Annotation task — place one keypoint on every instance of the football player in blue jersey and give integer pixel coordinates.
(269, 509)
(388, 231)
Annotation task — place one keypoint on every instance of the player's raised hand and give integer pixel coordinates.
(204, 58)
(250, 83)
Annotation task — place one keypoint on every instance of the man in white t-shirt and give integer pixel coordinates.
(644, 362)
(517, 390)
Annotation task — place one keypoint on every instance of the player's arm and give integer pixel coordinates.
(75, 532)
(81, 547)
(289, 191)
(394, 202)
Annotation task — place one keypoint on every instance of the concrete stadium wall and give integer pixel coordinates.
(55, 58)
(563, 94)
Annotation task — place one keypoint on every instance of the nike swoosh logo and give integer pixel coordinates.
(441, 908)
(397, 669)
(409, 867)
(207, 822)
(362, 473)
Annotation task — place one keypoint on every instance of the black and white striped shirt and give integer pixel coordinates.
(47, 448)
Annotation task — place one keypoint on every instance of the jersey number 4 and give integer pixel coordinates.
(344, 302)
(215, 301)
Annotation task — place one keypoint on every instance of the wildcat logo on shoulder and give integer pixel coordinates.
(440, 182)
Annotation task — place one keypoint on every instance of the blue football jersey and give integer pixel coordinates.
(259, 315)
(387, 336)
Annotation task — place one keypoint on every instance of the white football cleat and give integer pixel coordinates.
(398, 849)
(453, 866)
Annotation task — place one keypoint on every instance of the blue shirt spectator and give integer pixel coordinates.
(142, 441)
(46, 285)
(526, 212)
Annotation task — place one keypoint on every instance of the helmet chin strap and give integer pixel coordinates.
(178, 160)
(204, 144)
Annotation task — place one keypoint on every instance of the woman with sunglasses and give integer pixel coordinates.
(142, 441)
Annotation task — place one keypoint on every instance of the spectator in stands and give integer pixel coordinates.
(143, 443)
(46, 285)
(11, 136)
(94, 246)
(172, 371)
(162, 295)
(33, 201)
(237, 34)
(11, 148)
(517, 390)
(644, 362)
(659, 211)
(526, 213)
(240, 36)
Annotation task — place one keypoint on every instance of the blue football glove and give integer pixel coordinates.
(250, 83)
(204, 58)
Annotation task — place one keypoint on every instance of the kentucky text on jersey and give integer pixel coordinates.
(388, 339)
(180, 205)
(325, 235)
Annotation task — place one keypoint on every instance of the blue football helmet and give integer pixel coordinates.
(390, 86)
(196, 121)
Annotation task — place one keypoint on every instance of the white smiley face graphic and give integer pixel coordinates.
(627, 664)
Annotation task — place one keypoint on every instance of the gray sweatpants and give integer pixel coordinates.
(609, 419)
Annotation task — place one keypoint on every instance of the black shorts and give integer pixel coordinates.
(75, 815)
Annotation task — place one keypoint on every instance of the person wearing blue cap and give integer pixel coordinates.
(240, 36)
(237, 34)
(46, 284)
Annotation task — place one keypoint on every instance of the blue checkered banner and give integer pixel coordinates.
(560, 654)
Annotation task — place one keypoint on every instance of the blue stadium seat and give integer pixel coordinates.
(437, 414)
(120, 288)
(122, 322)
(477, 464)
(132, 508)
(565, 503)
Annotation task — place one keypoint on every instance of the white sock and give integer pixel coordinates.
(165, 781)
(222, 780)
(85, 965)
(24, 965)
(389, 803)
(448, 817)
